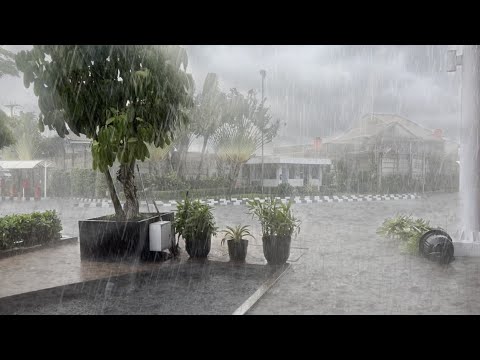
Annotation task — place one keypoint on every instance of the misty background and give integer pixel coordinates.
(319, 90)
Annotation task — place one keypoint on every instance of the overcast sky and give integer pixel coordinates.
(320, 90)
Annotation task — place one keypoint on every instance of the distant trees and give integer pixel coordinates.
(27, 137)
(6, 136)
(232, 125)
(7, 67)
(7, 63)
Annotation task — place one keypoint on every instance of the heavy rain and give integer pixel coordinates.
(239, 179)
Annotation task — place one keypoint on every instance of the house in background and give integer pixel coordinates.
(384, 152)
(78, 152)
(296, 171)
(380, 146)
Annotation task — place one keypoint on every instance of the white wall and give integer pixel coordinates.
(295, 182)
(270, 182)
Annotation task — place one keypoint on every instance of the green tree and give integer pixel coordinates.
(28, 138)
(7, 63)
(246, 123)
(6, 136)
(123, 97)
(7, 67)
(208, 113)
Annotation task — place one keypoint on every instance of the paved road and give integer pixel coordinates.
(348, 269)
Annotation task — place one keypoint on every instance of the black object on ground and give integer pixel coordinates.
(437, 245)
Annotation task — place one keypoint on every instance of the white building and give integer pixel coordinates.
(296, 171)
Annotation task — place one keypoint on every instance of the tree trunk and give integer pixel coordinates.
(126, 175)
(234, 176)
(177, 158)
(113, 194)
(171, 162)
(205, 141)
(182, 164)
(182, 158)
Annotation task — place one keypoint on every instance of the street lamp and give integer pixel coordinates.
(263, 73)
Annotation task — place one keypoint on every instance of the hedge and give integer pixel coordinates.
(24, 230)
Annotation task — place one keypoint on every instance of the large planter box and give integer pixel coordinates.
(103, 238)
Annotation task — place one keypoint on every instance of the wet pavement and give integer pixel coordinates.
(180, 288)
(338, 263)
(348, 269)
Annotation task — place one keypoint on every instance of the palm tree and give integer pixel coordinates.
(234, 145)
(208, 112)
(236, 141)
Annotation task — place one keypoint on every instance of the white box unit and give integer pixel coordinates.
(160, 235)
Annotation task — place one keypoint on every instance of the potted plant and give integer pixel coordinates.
(122, 98)
(278, 226)
(195, 223)
(237, 244)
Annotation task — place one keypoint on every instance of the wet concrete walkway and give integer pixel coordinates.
(61, 265)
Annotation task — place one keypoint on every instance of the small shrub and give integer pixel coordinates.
(284, 189)
(407, 229)
(194, 219)
(210, 183)
(276, 218)
(308, 190)
(168, 182)
(21, 230)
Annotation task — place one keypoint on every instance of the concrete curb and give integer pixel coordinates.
(17, 251)
(94, 203)
(262, 290)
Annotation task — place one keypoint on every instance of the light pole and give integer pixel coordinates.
(263, 73)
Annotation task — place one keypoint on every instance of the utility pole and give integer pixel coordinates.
(11, 106)
(263, 73)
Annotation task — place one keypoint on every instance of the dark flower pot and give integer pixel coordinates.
(237, 250)
(199, 247)
(276, 249)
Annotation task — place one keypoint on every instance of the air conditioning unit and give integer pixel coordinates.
(160, 235)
